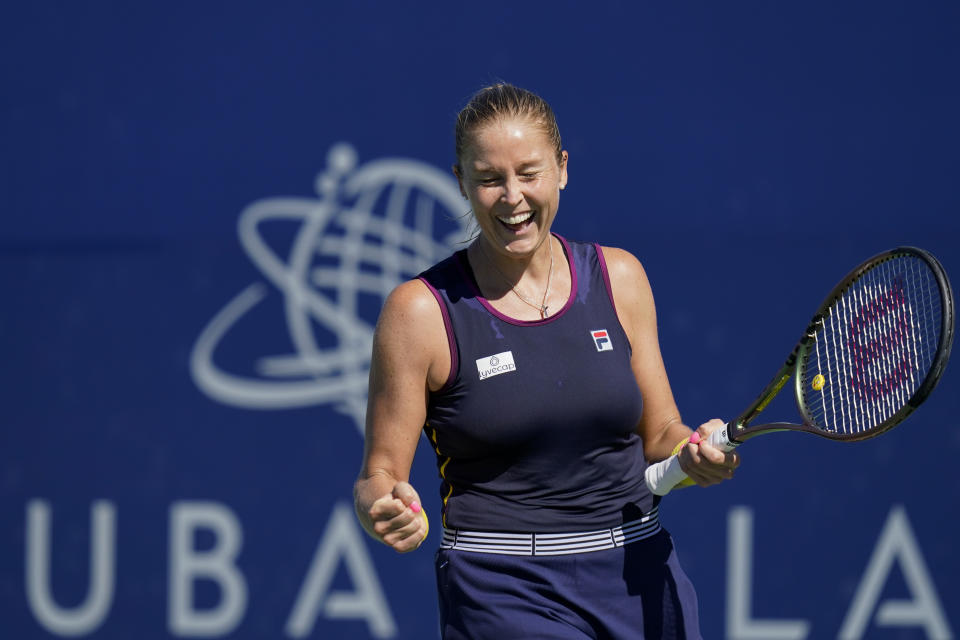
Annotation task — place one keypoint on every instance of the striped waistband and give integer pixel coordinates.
(551, 544)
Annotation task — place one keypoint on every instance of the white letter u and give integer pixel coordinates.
(89, 615)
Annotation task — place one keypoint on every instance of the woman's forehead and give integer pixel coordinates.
(509, 126)
(518, 138)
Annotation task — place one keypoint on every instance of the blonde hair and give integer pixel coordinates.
(503, 100)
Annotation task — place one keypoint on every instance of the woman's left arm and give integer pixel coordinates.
(660, 426)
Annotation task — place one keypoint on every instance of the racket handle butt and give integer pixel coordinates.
(721, 440)
(663, 476)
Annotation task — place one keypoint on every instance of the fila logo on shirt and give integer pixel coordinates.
(602, 340)
(494, 365)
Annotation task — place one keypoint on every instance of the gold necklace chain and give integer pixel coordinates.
(542, 307)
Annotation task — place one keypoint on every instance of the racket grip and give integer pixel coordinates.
(663, 476)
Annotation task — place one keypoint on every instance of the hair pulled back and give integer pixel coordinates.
(502, 100)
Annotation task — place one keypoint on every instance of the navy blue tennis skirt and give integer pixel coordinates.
(637, 591)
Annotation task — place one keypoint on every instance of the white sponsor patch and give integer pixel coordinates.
(494, 365)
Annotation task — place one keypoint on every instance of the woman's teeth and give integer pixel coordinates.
(516, 219)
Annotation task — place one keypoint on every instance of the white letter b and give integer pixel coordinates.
(217, 564)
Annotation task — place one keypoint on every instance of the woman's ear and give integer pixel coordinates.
(456, 172)
(564, 156)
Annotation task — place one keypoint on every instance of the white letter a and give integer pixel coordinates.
(897, 542)
(342, 540)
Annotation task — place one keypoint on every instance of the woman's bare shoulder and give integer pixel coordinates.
(627, 274)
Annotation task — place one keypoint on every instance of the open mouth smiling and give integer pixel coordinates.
(517, 221)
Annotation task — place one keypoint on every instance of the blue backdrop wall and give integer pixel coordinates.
(204, 204)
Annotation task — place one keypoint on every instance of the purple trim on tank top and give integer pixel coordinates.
(464, 265)
(451, 339)
(606, 279)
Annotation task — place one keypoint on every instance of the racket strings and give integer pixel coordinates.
(878, 340)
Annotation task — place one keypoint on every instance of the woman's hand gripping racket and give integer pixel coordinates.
(872, 354)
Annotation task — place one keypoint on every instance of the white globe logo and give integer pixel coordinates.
(371, 228)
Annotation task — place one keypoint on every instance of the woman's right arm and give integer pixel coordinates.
(410, 357)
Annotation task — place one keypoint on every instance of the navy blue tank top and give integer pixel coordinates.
(535, 429)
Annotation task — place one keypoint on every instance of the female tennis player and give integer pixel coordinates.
(532, 364)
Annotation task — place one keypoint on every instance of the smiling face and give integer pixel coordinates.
(512, 177)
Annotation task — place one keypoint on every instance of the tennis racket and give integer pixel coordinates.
(873, 352)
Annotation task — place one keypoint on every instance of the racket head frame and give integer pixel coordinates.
(740, 429)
